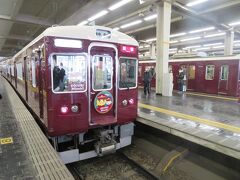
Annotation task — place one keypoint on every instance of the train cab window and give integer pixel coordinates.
(102, 67)
(128, 74)
(69, 73)
(224, 72)
(191, 72)
(209, 75)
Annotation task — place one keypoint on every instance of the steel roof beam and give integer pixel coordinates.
(25, 19)
(17, 37)
(221, 6)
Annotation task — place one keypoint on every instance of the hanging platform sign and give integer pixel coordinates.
(103, 102)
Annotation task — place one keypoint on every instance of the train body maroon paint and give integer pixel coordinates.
(215, 75)
(81, 81)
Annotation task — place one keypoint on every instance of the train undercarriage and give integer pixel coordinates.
(95, 142)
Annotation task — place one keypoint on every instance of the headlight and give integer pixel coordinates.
(131, 101)
(124, 102)
(64, 109)
(74, 108)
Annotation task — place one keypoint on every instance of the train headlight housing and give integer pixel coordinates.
(131, 101)
(64, 109)
(124, 102)
(74, 108)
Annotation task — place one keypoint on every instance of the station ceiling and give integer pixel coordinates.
(22, 20)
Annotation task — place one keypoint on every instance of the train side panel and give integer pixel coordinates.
(213, 77)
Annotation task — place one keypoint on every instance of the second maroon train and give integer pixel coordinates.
(213, 75)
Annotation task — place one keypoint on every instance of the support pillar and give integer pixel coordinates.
(163, 34)
(229, 38)
(152, 51)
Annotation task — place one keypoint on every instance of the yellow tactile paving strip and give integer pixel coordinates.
(212, 96)
(44, 158)
(192, 118)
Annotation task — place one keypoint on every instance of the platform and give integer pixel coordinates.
(211, 121)
(25, 153)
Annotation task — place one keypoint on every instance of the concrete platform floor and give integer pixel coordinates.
(211, 122)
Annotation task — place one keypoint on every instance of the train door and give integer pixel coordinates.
(102, 85)
(25, 77)
(200, 78)
(40, 83)
(14, 71)
(191, 73)
(182, 77)
(223, 79)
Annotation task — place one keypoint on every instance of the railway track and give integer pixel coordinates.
(137, 169)
(158, 156)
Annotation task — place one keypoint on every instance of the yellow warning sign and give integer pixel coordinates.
(8, 140)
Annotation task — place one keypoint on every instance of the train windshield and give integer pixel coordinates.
(127, 69)
(69, 73)
(102, 67)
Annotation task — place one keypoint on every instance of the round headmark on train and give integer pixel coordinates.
(103, 102)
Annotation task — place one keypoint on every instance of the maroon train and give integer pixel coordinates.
(81, 81)
(213, 75)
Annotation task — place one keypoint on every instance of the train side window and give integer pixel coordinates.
(209, 75)
(33, 72)
(224, 72)
(69, 73)
(191, 72)
(102, 67)
(12, 70)
(128, 72)
(19, 71)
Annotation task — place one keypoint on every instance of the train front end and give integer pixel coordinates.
(92, 102)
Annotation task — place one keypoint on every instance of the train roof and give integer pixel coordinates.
(222, 58)
(83, 32)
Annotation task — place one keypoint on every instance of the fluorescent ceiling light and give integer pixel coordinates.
(236, 41)
(202, 30)
(190, 39)
(217, 47)
(98, 15)
(172, 42)
(116, 28)
(215, 35)
(214, 44)
(148, 18)
(173, 49)
(190, 47)
(150, 40)
(131, 24)
(146, 46)
(178, 34)
(119, 4)
(194, 3)
(204, 48)
(82, 23)
(237, 45)
(234, 23)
